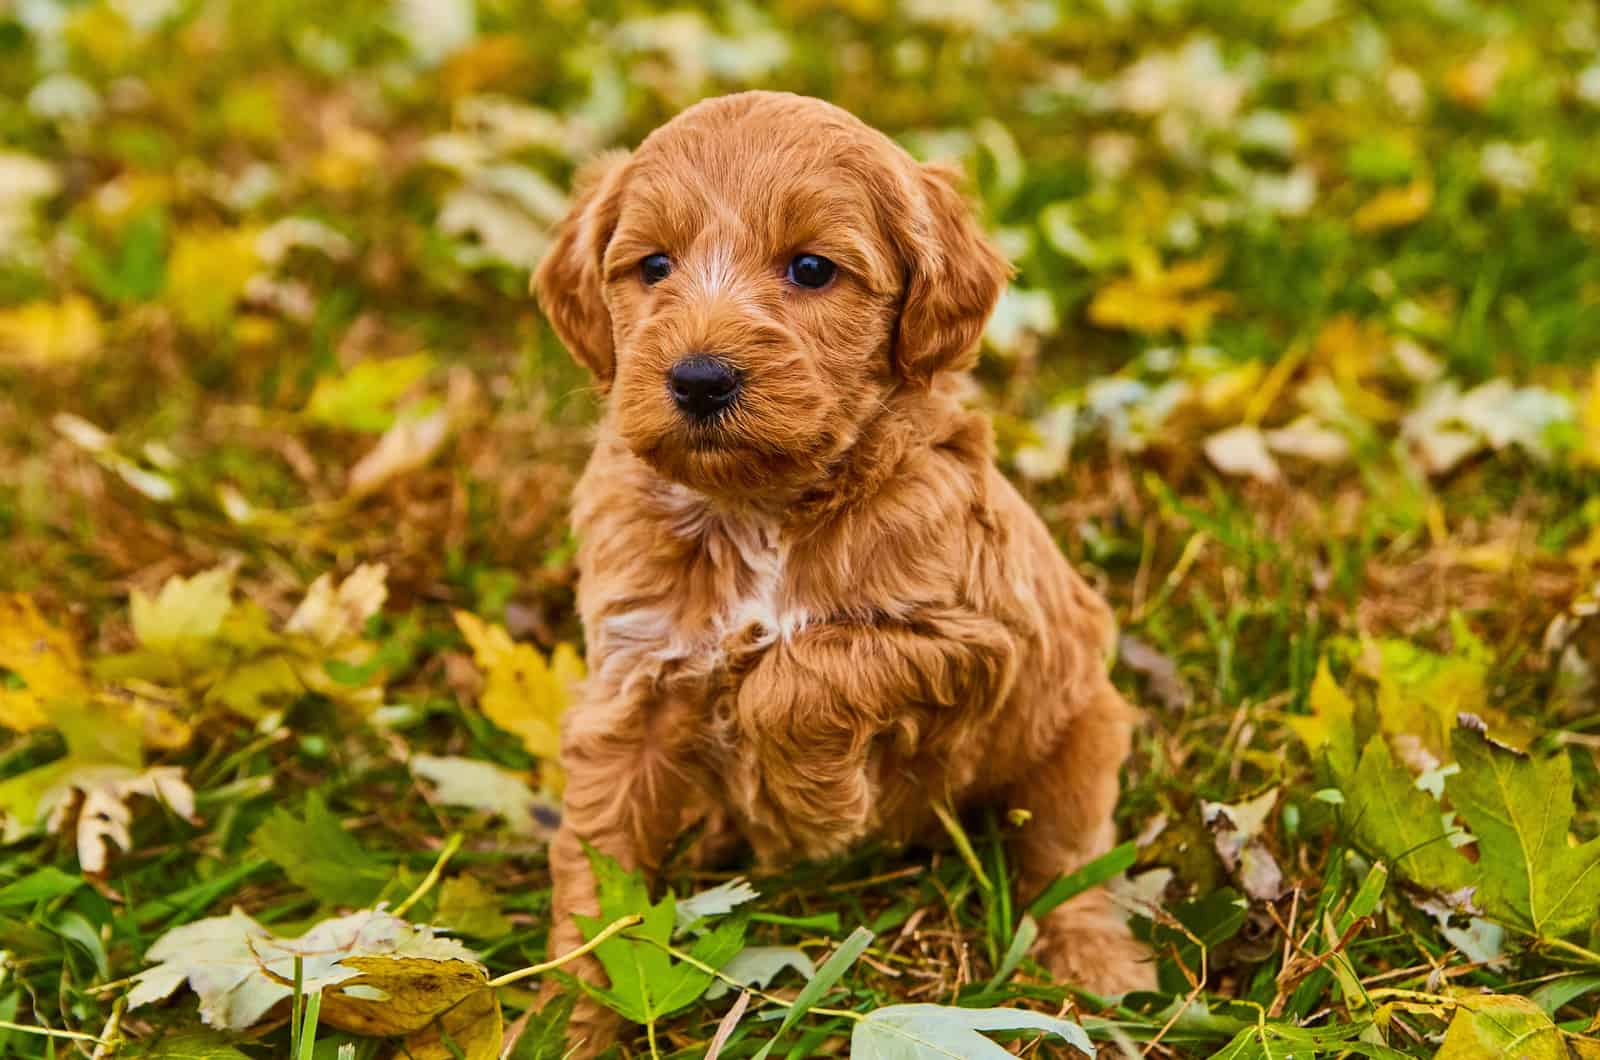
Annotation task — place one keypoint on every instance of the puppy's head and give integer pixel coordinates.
(755, 279)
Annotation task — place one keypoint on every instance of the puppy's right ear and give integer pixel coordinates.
(568, 280)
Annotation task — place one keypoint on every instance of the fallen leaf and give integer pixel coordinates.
(317, 854)
(99, 791)
(914, 1032)
(238, 968)
(1496, 1025)
(1242, 450)
(469, 907)
(720, 900)
(184, 610)
(1395, 820)
(1155, 300)
(1331, 724)
(1237, 829)
(329, 615)
(1395, 207)
(363, 398)
(1165, 682)
(42, 656)
(485, 786)
(43, 333)
(207, 273)
(525, 693)
(758, 966)
(1309, 439)
(410, 444)
(1520, 809)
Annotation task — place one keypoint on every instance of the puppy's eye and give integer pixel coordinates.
(811, 270)
(655, 268)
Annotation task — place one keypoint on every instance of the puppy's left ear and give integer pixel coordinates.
(569, 278)
(954, 277)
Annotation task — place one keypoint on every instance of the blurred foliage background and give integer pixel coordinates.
(1302, 366)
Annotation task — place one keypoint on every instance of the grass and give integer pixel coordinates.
(1385, 198)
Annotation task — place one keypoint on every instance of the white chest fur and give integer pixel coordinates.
(740, 598)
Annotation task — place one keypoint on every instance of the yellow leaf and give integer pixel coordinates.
(1352, 351)
(1153, 300)
(400, 995)
(208, 272)
(330, 615)
(50, 332)
(1395, 207)
(1331, 724)
(474, 1028)
(1589, 422)
(42, 656)
(524, 693)
(186, 609)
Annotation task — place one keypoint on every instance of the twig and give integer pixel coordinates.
(619, 924)
(49, 1032)
(451, 845)
(729, 1022)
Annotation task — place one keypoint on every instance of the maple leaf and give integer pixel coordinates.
(1155, 299)
(363, 398)
(50, 332)
(1394, 819)
(184, 610)
(1520, 809)
(485, 786)
(1331, 724)
(240, 970)
(525, 693)
(42, 656)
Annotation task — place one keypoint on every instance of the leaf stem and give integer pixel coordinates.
(451, 845)
(620, 924)
(49, 1032)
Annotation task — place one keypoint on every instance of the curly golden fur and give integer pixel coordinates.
(818, 613)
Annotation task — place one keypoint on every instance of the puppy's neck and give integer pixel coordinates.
(910, 421)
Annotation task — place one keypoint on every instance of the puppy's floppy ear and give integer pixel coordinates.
(569, 278)
(954, 277)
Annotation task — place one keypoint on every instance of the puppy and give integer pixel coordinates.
(814, 608)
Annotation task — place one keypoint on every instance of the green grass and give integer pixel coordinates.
(1114, 139)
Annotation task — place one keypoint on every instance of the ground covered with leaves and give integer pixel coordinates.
(1300, 367)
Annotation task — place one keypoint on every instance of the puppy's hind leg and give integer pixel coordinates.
(1069, 797)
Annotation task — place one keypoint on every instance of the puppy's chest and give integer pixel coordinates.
(722, 595)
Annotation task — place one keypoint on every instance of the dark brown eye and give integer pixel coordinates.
(655, 268)
(811, 270)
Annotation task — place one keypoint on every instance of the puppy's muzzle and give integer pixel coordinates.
(703, 386)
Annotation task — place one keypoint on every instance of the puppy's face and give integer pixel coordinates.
(753, 281)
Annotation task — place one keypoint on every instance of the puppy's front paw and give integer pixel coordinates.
(1098, 953)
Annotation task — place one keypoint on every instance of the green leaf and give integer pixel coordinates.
(469, 907)
(40, 886)
(915, 1032)
(1501, 1025)
(1520, 809)
(1065, 888)
(829, 973)
(363, 398)
(646, 982)
(1393, 819)
(1553, 995)
(317, 854)
(545, 1035)
(193, 1045)
(758, 966)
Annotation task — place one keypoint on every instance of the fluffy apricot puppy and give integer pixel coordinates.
(813, 606)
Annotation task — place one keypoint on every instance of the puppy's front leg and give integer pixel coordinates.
(810, 711)
(629, 779)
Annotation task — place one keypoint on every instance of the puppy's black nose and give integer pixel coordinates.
(703, 386)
